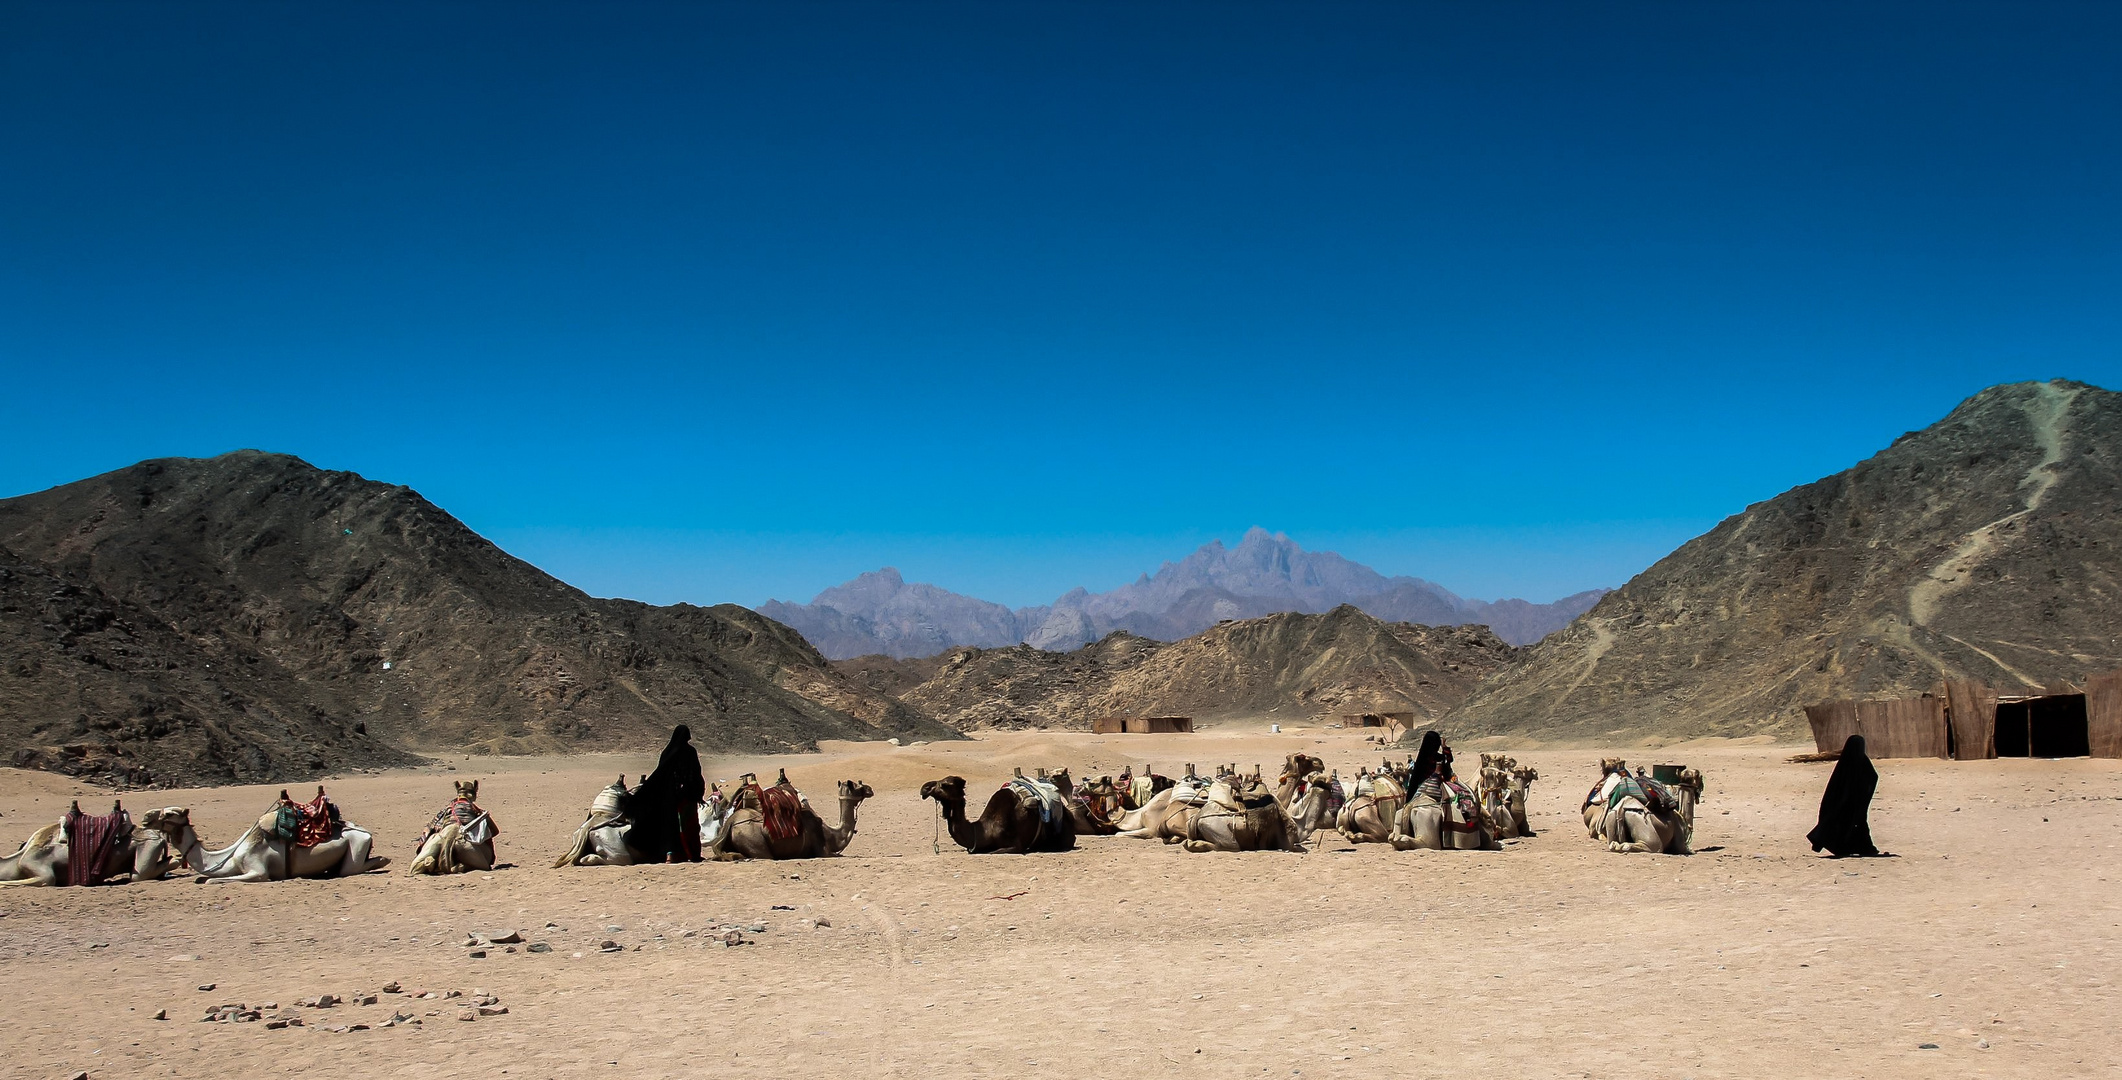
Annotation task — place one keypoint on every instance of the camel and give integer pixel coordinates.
(1229, 821)
(42, 859)
(1296, 769)
(1629, 824)
(1090, 805)
(1163, 818)
(743, 835)
(1453, 823)
(1372, 807)
(1502, 791)
(601, 838)
(1011, 824)
(261, 855)
(456, 845)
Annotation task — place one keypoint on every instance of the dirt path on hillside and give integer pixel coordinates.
(1993, 937)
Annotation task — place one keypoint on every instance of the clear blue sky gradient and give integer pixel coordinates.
(723, 302)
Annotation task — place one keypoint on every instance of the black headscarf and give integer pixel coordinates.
(1426, 760)
(1845, 807)
(675, 788)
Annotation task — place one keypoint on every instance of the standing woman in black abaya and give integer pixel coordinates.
(1845, 808)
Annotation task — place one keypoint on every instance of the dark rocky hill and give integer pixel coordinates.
(1290, 666)
(251, 617)
(1985, 545)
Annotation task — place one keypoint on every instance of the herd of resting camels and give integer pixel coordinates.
(1231, 811)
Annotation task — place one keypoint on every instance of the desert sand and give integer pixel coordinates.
(1993, 937)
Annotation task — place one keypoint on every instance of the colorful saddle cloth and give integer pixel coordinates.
(1652, 794)
(89, 842)
(1045, 796)
(1461, 800)
(783, 811)
(478, 826)
(307, 824)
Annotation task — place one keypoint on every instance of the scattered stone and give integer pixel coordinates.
(757, 928)
(689, 933)
(186, 956)
(610, 946)
(390, 987)
(363, 999)
(275, 1025)
(477, 954)
(160, 1014)
(268, 1004)
(732, 938)
(824, 923)
(510, 949)
(493, 1010)
(1926, 1046)
(1981, 1044)
(206, 986)
(401, 1017)
(453, 993)
(486, 999)
(357, 1027)
(467, 1014)
(503, 937)
(538, 946)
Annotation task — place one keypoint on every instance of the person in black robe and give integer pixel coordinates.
(1434, 759)
(1845, 807)
(666, 807)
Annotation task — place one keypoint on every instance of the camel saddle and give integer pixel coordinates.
(478, 827)
(1040, 794)
(90, 841)
(1654, 795)
(780, 808)
(303, 824)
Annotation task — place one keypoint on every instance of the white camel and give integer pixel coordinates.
(601, 838)
(457, 846)
(1454, 823)
(1228, 823)
(261, 855)
(43, 858)
(1627, 822)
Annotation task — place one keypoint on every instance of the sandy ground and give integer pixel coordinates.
(1993, 937)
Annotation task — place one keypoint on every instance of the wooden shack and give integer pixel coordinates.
(1969, 721)
(1140, 725)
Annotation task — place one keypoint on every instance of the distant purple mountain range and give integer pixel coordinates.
(879, 612)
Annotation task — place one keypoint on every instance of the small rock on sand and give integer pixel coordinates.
(538, 946)
(503, 937)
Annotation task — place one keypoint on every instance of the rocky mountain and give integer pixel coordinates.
(1984, 546)
(251, 617)
(1289, 666)
(879, 613)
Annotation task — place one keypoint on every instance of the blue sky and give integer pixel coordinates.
(727, 302)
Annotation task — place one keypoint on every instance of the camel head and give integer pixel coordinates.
(1060, 779)
(168, 820)
(468, 790)
(1612, 765)
(1524, 775)
(854, 790)
(949, 791)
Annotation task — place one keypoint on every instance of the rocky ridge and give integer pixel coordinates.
(251, 617)
(1294, 667)
(1982, 546)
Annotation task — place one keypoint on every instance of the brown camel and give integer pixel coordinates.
(1014, 823)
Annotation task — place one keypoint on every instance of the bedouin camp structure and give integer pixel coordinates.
(1967, 720)
(1140, 725)
(1378, 719)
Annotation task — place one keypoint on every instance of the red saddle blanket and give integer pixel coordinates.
(309, 824)
(783, 811)
(89, 841)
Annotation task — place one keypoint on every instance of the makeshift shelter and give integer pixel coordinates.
(1970, 721)
(1378, 719)
(1140, 725)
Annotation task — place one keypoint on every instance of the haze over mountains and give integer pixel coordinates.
(880, 613)
(1985, 545)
